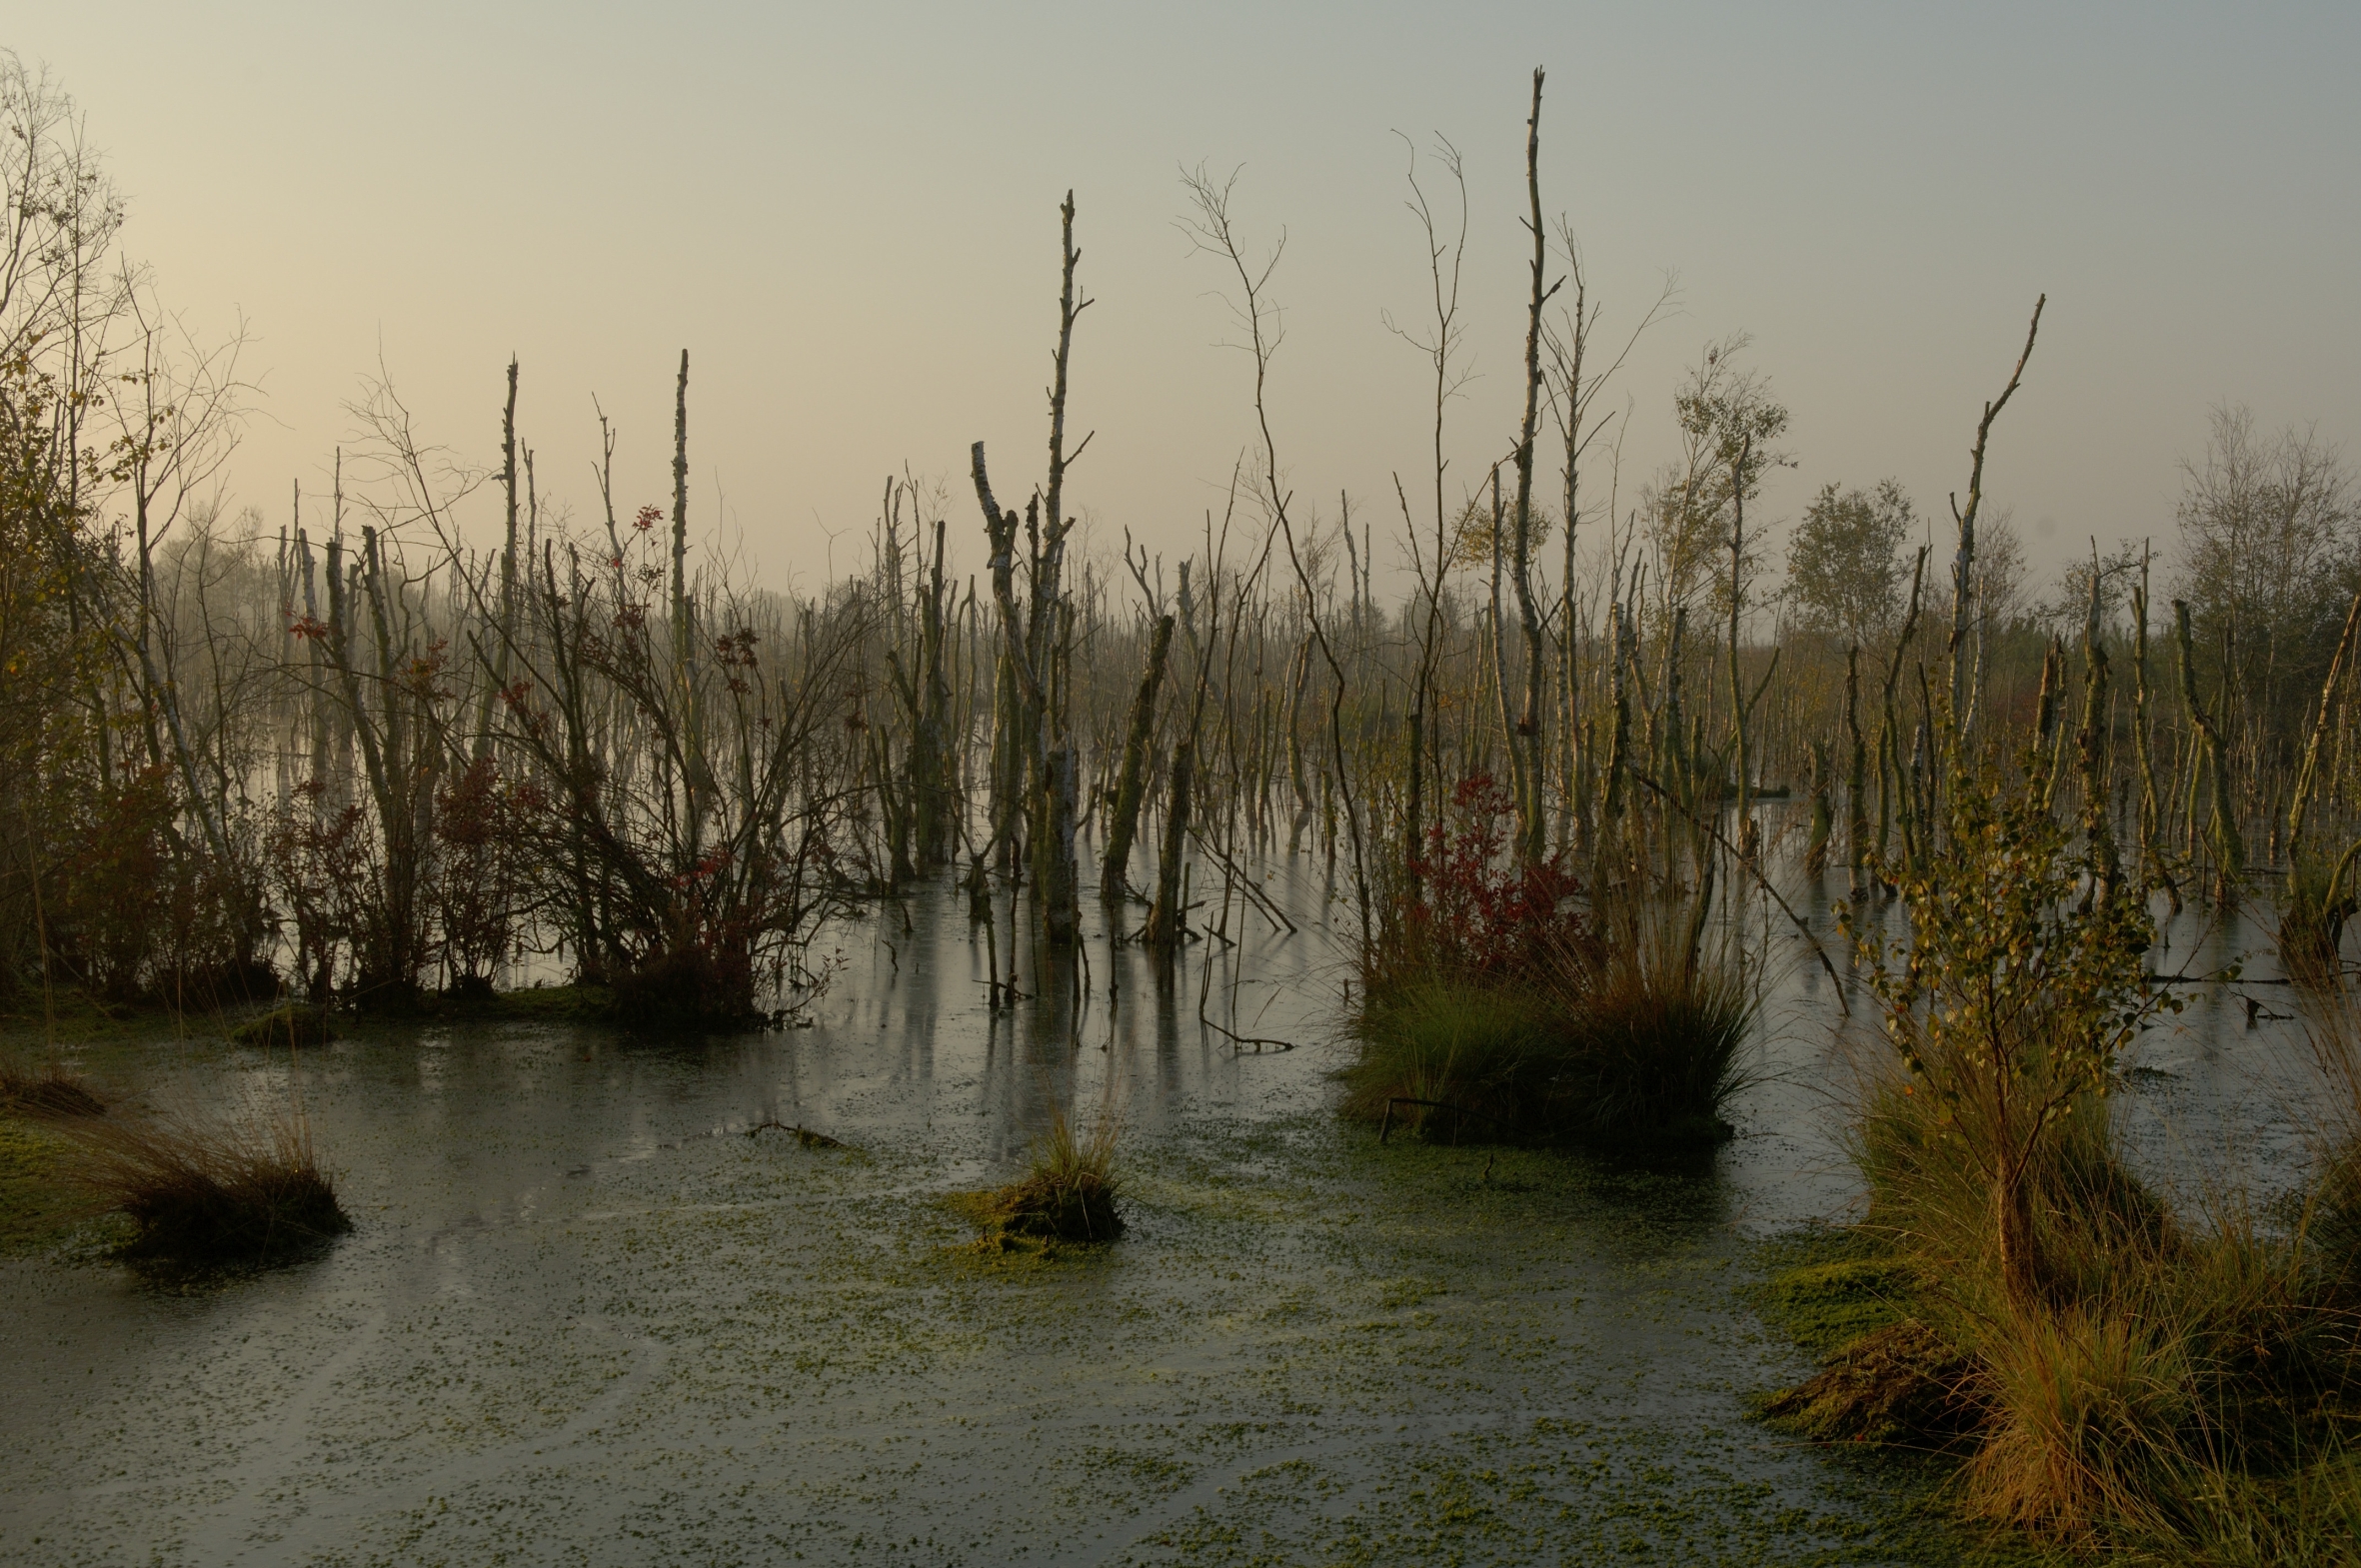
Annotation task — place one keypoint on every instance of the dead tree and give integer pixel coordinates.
(1131, 784)
(1525, 750)
(1963, 564)
(1032, 640)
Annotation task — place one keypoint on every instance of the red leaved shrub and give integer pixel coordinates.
(1477, 913)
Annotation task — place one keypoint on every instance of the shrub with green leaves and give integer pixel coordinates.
(2014, 989)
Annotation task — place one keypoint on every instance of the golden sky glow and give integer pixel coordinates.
(848, 216)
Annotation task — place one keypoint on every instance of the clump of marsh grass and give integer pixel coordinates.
(2191, 1378)
(1443, 1051)
(2124, 1377)
(2170, 1379)
(46, 1089)
(2334, 1211)
(1659, 1030)
(207, 1191)
(1068, 1192)
(2313, 908)
(1641, 1040)
(1502, 1001)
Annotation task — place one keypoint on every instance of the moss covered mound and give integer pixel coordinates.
(292, 1024)
(1904, 1383)
(1886, 1375)
(1829, 1302)
(39, 1206)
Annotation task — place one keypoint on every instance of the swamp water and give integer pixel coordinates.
(586, 1318)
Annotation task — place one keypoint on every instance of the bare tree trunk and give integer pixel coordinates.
(1856, 804)
(2305, 775)
(1499, 653)
(1031, 637)
(1302, 678)
(924, 694)
(2229, 851)
(1167, 917)
(694, 786)
(2154, 871)
(1823, 817)
(2093, 754)
(1577, 732)
(1737, 690)
(507, 571)
(1620, 656)
(1963, 565)
(1524, 736)
(1894, 802)
(1131, 790)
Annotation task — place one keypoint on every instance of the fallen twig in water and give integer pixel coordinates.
(1245, 883)
(804, 1135)
(1238, 1041)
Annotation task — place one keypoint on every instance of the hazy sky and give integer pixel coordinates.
(848, 216)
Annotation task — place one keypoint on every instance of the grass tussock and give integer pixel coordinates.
(1065, 1196)
(206, 1192)
(2332, 1218)
(2168, 1381)
(1640, 1037)
(46, 1089)
(2313, 907)
(1656, 1039)
(2119, 1375)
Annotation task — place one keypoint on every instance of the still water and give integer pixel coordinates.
(587, 1317)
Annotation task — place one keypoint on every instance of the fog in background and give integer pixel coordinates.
(848, 215)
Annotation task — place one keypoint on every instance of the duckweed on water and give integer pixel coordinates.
(728, 1348)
